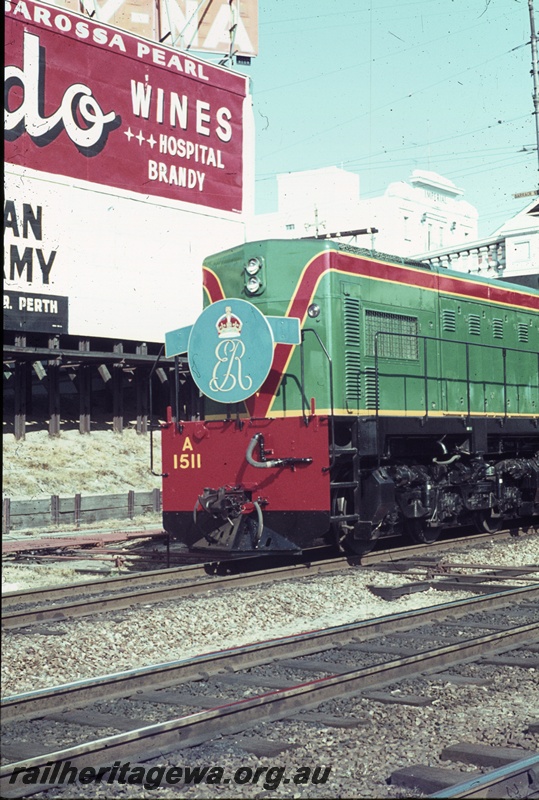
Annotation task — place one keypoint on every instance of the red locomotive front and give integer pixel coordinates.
(242, 484)
(246, 485)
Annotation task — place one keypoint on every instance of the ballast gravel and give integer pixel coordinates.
(361, 759)
(189, 626)
(497, 711)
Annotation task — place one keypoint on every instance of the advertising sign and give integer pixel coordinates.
(128, 268)
(214, 26)
(127, 163)
(100, 105)
(43, 313)
(228, 27)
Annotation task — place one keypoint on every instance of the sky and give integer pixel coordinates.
(382, 88)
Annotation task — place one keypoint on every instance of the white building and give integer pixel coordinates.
(425, 214)
(428, 211)
(511, 253)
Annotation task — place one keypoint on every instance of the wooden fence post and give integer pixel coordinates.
(55, 509)
(78, 503)
(6, 515)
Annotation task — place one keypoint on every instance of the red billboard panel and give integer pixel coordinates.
(98, 104)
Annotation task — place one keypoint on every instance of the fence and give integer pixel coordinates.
(42, 512)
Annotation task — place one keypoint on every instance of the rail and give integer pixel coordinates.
(39, 702)
(518, 779)
(248, 712)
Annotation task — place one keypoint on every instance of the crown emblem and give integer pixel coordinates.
(228, 326)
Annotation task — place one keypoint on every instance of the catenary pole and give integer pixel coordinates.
(534, 75)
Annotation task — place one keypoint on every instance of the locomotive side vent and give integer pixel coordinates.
(352, 352)
(449, 320)
(474, 324)
(370, 387)
(522, 332)
(352, 380)
(401, 346)
(497, 328)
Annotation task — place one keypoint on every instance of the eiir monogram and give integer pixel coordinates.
(227, 372)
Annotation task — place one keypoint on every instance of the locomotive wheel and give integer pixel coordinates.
(419, 532)
(344, 536)
(485, 522)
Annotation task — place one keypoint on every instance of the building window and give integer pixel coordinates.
(522, 251)
(290, 227)
(407, 229)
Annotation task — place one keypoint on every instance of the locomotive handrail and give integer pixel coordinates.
(331, 399)
(504, 358)
(264, 463)
(503, 350)
(468, 394)
(302, 378)
(150, 402)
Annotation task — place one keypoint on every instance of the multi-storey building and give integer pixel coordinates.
(424, 214)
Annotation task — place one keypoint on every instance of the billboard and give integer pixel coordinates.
(127, 162)
(214, 26)
(100, 105)
(227, 27)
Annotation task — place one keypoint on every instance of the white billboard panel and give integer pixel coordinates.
(129, 268)
(216, 26)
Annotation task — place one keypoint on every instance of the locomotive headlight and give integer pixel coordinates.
(253, 285)
(253, 266)
(314, 310)
(253, 275)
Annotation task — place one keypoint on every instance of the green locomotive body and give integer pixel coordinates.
(427, 380)
(403, 338)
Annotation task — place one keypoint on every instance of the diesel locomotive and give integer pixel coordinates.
(338, 395)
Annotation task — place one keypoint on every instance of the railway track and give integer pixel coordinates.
(516, 779)
(199, 698)
(57, 603)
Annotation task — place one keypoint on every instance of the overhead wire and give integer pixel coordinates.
(390, 103)
(348, 13)
(487, 159)
(386, 55)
